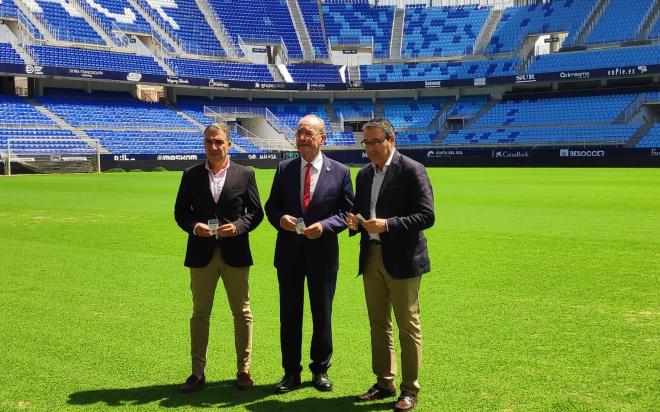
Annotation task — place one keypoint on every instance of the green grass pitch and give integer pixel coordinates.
(544, 295)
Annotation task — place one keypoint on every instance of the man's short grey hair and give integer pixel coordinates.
(214, 128)
(313, 116)
(382, 123)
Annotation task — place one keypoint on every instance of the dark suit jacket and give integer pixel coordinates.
(332, 199)
(238, 203)
(406, 201)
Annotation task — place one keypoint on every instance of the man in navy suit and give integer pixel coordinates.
(394, 199)
(308, 203)
(225, 192)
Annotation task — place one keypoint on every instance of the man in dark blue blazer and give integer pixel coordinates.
(308, 202)
(224, 191)
(394, 201)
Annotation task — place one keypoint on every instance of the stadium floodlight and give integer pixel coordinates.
(54, 155)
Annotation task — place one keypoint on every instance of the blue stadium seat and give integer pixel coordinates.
(9, 55)
(621, 20)
(67, 24)
(221, 71)
(7, 8)
(467, 106)
(354, 109)
(442, 31)
(359, 23)
(556, 16)
(412, 114)
(652, 138)
(595, 59)
(119, 12)
(438, 70)
(312, 16)
(16, 111)
(324, 73)
(94, 60)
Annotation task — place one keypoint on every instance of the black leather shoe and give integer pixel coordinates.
(287, 383)
(321, 382)
(192, 384)
(406, 402)
(375, 393)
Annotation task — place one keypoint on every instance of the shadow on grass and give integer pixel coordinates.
(219, 394)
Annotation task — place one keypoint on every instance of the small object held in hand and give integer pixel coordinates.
(213, 225)
(361, 219)
(300, 225)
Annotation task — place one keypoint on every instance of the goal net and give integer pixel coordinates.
(53, 155)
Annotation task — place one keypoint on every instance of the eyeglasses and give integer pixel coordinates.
(374, 142)
(307, 133)
(215, 142)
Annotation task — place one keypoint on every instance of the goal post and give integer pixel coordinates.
(54, 155)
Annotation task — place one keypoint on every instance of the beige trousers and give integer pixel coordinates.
(383, 294)
(203, 282)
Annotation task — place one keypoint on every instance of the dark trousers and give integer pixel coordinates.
(321, 289)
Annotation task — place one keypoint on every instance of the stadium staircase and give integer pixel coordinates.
(487, 31)
(37, 23)
(649, 21)
(591, 22)
(186, 116)
(6, 33)
(92, 21)
(275, 72)
(301, 30)
(335, 125)
(218, 29)
(397, 33)
(639, 134)
(484, 109)
(354, 73)
(441, 115)
(379, 109)
(157, 28)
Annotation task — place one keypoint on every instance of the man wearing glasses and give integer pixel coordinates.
(217, 205)
(308, 202)
(393, 205)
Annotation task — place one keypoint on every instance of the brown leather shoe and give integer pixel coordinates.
(192, 384)
(406, 402)
(375, 393)
(244, 380)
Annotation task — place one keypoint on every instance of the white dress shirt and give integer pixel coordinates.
(317, 164)
(376, 184)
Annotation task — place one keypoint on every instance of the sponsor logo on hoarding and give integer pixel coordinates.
(177, 80)
(315, 86)
(364, 155)
(134, 77)
(123, 158)
(267, 156)
(432, 83)
(176, 157)
(655, 153)
(355, 84)
(74, 159)
(88, 74)
(432, 154)
(480, 81)
(620, 71)
(213, 83)
(258, 85)
(525, 78)
(505, 154)
(575, 75)
(581, 153)
(31, 69)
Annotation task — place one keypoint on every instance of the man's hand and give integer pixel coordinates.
(202, 230)
(351, 221)
(288, 223)
(313, 231)
(375, 225)
(227, 230)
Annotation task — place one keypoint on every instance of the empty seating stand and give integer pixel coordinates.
(556, 16)
(9, 55)
(308, 73)
(438, 70)
(120, 13)
(359, 24)
(594, 59)
(66, 22)
(412, 114)
(442, 31)
(652, 138)
(223, 71)
(7, 8)
(467, 106)
(312, 17)
(621, 20)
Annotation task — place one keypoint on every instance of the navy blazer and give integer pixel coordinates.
(406, 201)
(238, 203)
(332, 199)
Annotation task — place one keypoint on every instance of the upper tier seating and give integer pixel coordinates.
(9, 55)
(94, 60)
(302, 73)
(359, 23)
(264, 20)
(119, 12)
(412, 114)
(438, 70)
(467, 106)
(221, 71)
(655, 31)
(549, 111)
(66, 24)
(188, 25)
(594, 59)
(310, 12)
(620, 21)
(578, 134)
(556, 16)
(442, 31)
(7, 8)
(652, 138)
(16, 111)
(115, 110)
